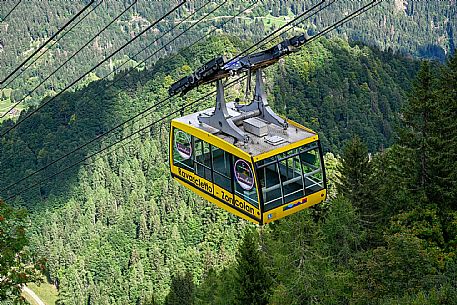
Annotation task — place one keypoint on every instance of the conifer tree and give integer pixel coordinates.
(252, 283)
(354, 173)
(182, 290)
(446, 154)
(417, 137)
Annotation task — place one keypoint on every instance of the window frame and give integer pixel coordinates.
(194, 140)
(316, 145)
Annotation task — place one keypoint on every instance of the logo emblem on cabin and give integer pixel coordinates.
(244, 175)
(183, 145)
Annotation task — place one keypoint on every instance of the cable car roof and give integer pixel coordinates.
(264, 137)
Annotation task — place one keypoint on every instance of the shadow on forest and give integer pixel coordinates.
(67, 123)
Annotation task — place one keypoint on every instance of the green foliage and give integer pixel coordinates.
(446, 135)
(342, 90)
(182, 290)
(417, 137)
(17, 266)
(415, 263)
(120, 231)
(252, 282)
(354, 172)
(310, 259)
(404, 265)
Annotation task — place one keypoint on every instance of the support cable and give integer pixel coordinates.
(9, 13)
(339, 23)
(47, 41)
(142, 113)
(156, 40)
(175, 38)
(53, 44)
(68, 59)
(279, 29)
(328, 29)
(348, 18)
(92, 69)
(277, 34)
(181, 108)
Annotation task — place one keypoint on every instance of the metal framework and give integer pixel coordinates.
(218, 69)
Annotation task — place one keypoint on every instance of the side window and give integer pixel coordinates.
(312, 171)
(244, 181)
(291, 177)
(270, 181)
(202, 159)
(182, 149)
(222, 164)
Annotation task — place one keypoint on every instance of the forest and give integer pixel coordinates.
(116, 229)
(414, 28)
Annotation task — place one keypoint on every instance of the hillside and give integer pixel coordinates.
(114, 228)
(418, 28)
(337, 107)
(121, 217)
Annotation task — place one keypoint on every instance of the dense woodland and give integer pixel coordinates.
(419, 28)
(117, 230)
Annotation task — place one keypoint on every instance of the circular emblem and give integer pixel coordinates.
(183, 144)
(244, 175)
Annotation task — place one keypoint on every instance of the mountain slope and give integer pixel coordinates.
(419, 28)
(120, 227)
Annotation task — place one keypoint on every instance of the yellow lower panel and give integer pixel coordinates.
(294, 206)
(217, 195)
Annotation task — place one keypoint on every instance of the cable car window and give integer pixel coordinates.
(182, 149)
(222, 163)
(291, 176)
(312, 169)
(245, 182)
(202, 159)
(271, 183)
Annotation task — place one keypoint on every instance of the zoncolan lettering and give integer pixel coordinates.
(242, 205)
(206, 186)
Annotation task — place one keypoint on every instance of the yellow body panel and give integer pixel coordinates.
(295, 206)
(217, 195)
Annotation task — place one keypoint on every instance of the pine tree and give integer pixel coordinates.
(417, 137)
(446, 153)
(354, 174)
(182, 290)
(252, 282)
(445, 156)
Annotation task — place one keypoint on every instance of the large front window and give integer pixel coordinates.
(291, 175)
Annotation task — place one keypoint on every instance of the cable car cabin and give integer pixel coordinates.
(276, 173)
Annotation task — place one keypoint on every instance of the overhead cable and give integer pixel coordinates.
(53, 44)
(339, 23)
(47, 41)
(181, 108)
(28, 115)
(158, 39)
(68, 59)
(97, 138)
(9, 13)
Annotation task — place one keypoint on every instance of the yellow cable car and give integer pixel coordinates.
(246, 160)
